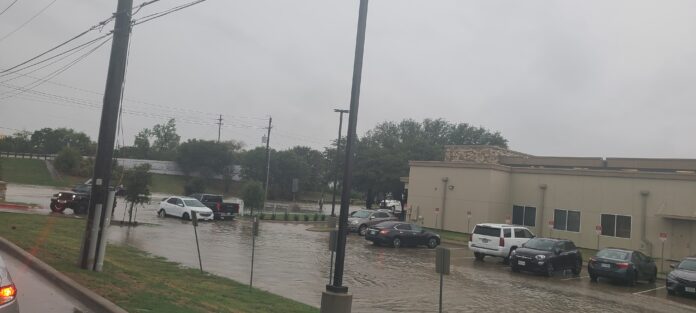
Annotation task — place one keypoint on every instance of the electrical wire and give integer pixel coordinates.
(28, 21)
(8, 7)
(153, 16)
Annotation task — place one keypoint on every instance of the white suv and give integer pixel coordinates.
(497, 240)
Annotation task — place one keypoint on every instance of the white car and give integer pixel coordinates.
(497, 240)
(8, 291)
(183, 206)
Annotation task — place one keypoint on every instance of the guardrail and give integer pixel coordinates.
(26, 155)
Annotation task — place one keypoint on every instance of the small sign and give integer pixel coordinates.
(442, 261)
(663, 237)
(437, 209)
(551, 223)
(598, 229)
(468, 214)
(508, 220)
(194, 218)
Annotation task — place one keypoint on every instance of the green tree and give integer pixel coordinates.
(18, 142)
(252, 194)
(205, 157)
(141, 144)
(48, 140)
(68, 161)
(382, 155)
(137, 183)
(166, 138)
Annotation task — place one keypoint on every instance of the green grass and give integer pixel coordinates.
(27, 171)
(451, 235)
(169, 184)
(133, 279)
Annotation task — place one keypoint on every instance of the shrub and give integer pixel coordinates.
(316, 217)
(262, 215)
(68, 161)
(273, 216)
(286, 216)
(323, 217)
(194, 185)
(296, 217)
(306, 218)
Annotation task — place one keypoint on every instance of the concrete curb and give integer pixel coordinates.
(456, 243)
(88, 297)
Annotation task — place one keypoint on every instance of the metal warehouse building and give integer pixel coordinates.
(605, 202)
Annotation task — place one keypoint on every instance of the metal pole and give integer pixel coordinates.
(107, 128)
(441, 279)
(337, 286)
(268, 167)
(662, 258)
(444, 202)
(219, 127)
(331, 267)
(338, 156)
(195, 232)
(254, 226)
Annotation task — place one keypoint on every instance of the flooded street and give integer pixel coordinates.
(294, 262)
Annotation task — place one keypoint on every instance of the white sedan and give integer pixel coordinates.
(182, 207)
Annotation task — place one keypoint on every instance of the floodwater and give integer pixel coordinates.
(294, 262)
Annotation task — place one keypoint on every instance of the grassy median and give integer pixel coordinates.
(134, 280)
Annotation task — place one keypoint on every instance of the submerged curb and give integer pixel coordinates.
(88, 297)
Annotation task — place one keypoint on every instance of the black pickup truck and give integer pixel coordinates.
(221, 210)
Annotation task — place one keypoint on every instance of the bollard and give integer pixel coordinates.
(442, 267)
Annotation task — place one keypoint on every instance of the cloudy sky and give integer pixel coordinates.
(580, 78)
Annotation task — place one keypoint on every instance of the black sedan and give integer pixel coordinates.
(682, 280)
(399, 234)
(546, 255)
(621, 264)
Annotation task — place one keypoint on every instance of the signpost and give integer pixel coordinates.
(598, 230)
(194, 221)
(254, 233)
(663, 238)
(437, 213)
(468, 221)
(333, 237)
(442, 267)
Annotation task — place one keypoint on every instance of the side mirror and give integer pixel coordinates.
(372, 217)
(672, 266)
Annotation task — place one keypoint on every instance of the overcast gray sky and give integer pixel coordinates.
(581, 78)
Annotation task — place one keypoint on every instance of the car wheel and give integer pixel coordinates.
(362, 230)
(186, 216)
(593, 278)
(396, 242)
(161, 213)
(57, 207)
(653, 278)
(549, 270)
(515, 268)
(432, 243)
(479, 256)
(577, 268)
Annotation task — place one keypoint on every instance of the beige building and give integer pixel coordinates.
(629, 202)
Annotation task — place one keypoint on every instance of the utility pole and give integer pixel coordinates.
(268, 164)
(338, 156)
(107, 133)
(219, 123)
(336, 298)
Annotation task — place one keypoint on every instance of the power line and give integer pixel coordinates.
(8, 7)
(153, 16)
(28, 21)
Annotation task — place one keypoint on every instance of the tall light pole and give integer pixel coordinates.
(336, 298)
(338, 156)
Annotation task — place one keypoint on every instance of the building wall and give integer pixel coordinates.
(490, 193)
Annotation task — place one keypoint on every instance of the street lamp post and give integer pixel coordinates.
(336, 298)
(338, 156)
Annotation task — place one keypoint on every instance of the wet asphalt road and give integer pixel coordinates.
(294, 262)
(36, 294)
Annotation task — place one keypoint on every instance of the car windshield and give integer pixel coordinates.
(540, 244)
(362, 214)
(613, 254)
(194, 203)
(688, 265)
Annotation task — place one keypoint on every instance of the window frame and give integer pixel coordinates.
(616, 223)
(567, 213)
(524, 215)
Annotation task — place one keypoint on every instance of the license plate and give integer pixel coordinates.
(690, 289)
(62, 201)
(373, 232)
(521, 263)
(605, 265)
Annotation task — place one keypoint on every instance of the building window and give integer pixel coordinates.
(616, 225)
(524, 215)
(566, 220)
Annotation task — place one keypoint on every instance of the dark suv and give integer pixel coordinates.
(546, 255)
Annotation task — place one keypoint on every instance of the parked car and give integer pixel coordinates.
(8, 291)
(221, 209)
(498, 240)
(78, 202)
(626, 265)
(362, 219)
(547, 255)
(682, 279)
(399, 234)
(182, 207)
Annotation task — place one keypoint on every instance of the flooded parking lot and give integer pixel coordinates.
(294, 262)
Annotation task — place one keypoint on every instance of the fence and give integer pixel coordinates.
(27, 155)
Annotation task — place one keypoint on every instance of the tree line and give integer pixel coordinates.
(381, 155)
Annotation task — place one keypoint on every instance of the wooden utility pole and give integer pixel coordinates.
(107, 133)
(268, 163)
(219, 123)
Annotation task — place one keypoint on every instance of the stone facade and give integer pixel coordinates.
(478, 154)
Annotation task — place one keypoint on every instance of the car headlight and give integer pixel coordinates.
(60, 194)
(540, 257)
(73, 196)
(513, 253)
(354, 222)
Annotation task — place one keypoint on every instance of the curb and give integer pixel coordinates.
(454, 242)
(88, 297)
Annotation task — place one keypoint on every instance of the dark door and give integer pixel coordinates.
(406, 234)
(419, 235)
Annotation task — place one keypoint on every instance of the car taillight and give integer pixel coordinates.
(7, 294)
(622, 266)
(384, 231)
(502, 242)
